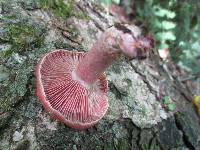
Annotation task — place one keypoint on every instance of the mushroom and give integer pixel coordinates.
(72, 85)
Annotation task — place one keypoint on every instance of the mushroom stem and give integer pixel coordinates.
(106, 50)
(94, 64)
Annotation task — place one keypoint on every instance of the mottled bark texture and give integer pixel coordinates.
(138, 117)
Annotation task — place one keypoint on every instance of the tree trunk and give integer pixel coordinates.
(148, 107)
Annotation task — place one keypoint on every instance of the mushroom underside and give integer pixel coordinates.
(65, 98)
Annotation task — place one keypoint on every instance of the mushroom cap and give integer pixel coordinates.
(65, 98)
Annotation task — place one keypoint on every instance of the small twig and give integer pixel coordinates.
(198, 86)
(167, 71)
(186, 78)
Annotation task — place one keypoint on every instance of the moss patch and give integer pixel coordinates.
(4, 119)
(122, 144)
(60, 8)
(23, 145)
(23, 35)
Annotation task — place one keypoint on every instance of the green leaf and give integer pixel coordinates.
(163, 45)
(106, 2)
(116, 1)
(167, 35)
(196, 46)
(168, 25)
(171, 107)
(166, 100)
(161, 12)
(164, 25)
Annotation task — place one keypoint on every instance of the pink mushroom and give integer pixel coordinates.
(72, 86)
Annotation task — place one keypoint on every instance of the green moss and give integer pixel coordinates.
(168, 103)
(122, 144)
(22, 35)
(4, 119)
(30, 4)
(19, 30)
(23, 145)
(61, 9)
(154, 145)
(109, 146)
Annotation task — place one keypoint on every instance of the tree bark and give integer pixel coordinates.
(138, 117)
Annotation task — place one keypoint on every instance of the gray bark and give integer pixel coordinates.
(137, 117)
